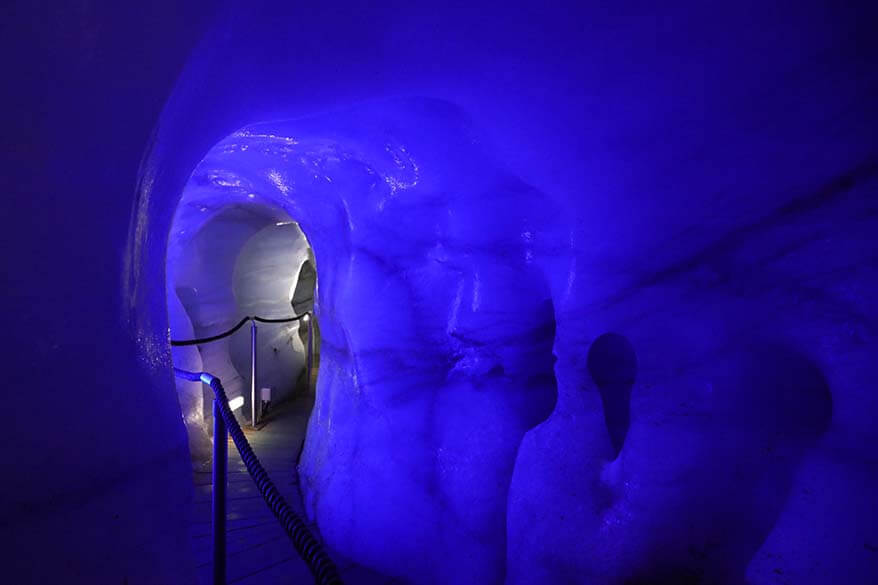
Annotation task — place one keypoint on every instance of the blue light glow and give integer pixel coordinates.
(596, 283)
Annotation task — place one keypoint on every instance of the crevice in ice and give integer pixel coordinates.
(612, 364)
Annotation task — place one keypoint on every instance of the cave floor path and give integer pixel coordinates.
(258, 549)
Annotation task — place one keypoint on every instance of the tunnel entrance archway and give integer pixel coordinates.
(226, 262)
(231, 260)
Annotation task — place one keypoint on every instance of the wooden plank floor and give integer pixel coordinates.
(258, 549)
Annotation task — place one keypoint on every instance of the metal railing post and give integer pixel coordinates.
(310, 356)
(220, 477)
(306, 545)
(253, 407)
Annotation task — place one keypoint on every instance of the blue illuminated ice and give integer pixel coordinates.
(436, 320)
(446, 445)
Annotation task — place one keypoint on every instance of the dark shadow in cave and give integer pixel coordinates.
(769, 407)
(612, 364)
(543, 397)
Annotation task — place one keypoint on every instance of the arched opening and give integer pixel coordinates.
(240, 286)
(228, 260)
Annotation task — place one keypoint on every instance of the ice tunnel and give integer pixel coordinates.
(589, 291)
(228, 259)
(437, 324)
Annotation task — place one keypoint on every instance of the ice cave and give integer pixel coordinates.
(494, 292)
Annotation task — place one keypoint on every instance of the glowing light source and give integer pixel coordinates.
(306, 318)
(236, 402)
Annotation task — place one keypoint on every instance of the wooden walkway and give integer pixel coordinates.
(258, 549)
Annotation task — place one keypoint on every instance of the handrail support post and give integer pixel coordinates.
(220, 479)
(310, 357)
(254, 414)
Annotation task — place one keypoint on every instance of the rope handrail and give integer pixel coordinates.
(238, 325)
(307, 546)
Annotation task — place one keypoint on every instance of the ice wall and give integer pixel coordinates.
(190, 394)
(746, 411)
(266, 272)
(95, 465)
